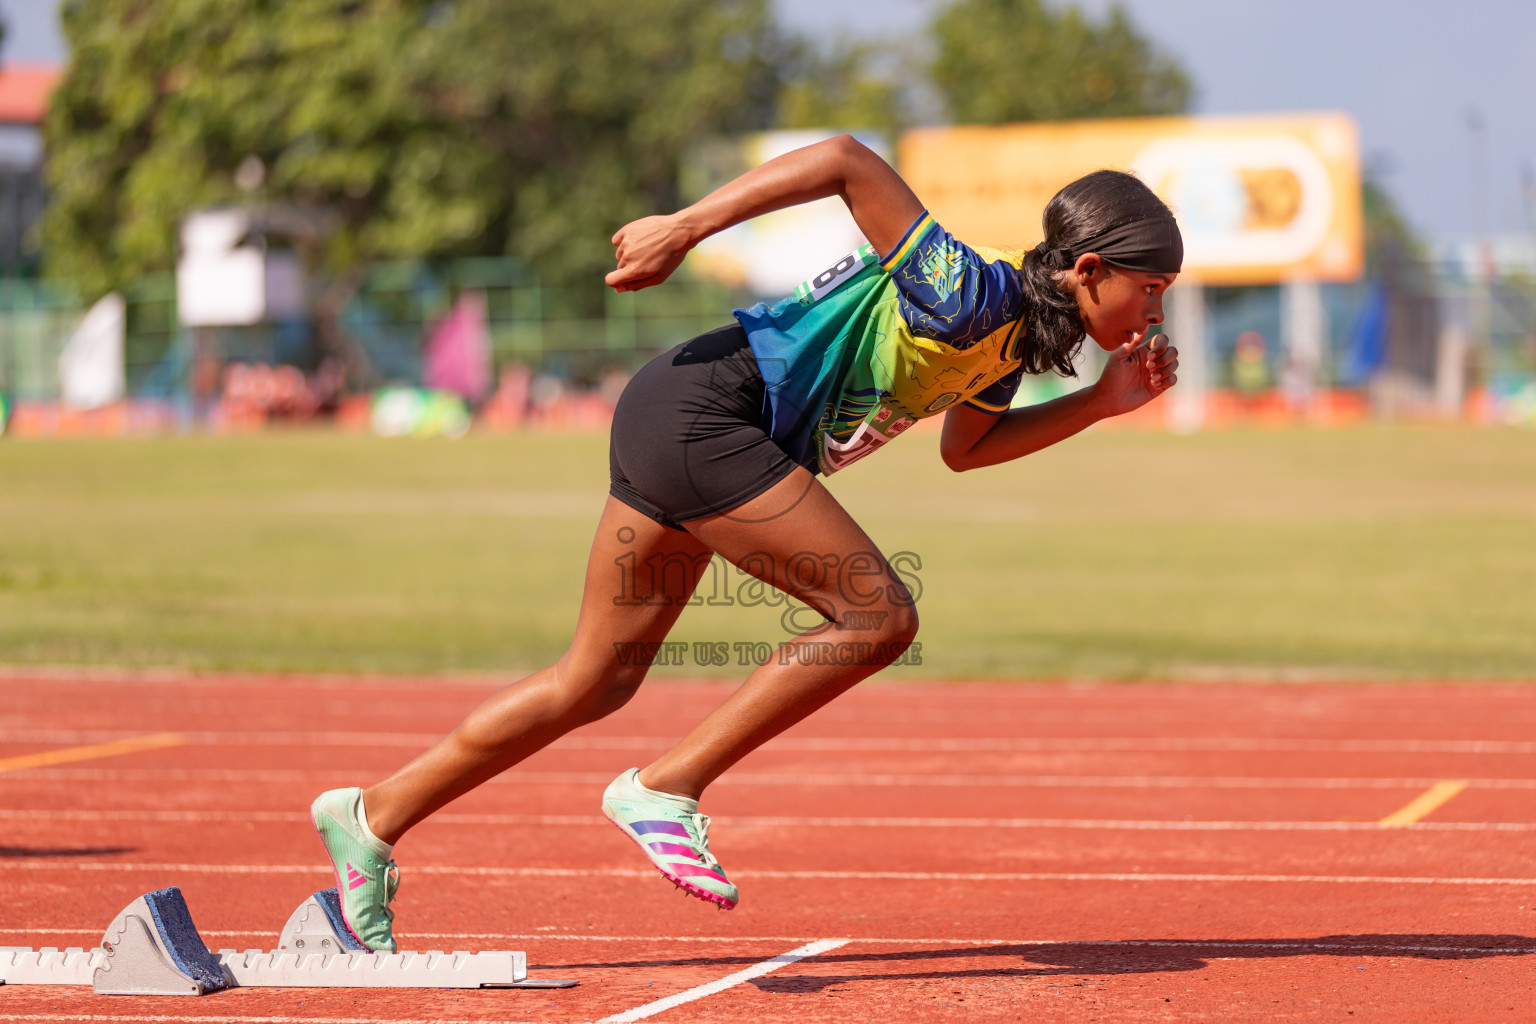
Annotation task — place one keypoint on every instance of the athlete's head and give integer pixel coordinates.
(1111, 248)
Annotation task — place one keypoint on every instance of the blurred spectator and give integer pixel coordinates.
(1250, 370)
(255, 393)
(507, 408)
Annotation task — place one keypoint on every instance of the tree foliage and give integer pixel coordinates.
(530, 128)
(524, 127)
(841, 85)
(1024, 60)
(1389, 237)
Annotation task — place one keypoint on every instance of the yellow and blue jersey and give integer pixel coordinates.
(870, 346)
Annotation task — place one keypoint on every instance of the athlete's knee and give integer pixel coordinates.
(890, 626)
(594, 688)
(902, 625)
(899, 630)
(608, 698)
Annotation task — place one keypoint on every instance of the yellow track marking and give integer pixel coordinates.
(90, 753)
(1425, 803)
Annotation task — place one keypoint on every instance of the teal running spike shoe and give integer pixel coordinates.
(673, 834)
(365, 880)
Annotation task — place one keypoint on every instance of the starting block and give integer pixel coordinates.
(152, 948)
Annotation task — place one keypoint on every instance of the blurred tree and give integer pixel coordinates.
(1403, 303)
(588, 106)
(417, 127)
(841, 86)
(1025, 60)
(1389, 238)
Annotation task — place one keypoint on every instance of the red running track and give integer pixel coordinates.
(991, 851)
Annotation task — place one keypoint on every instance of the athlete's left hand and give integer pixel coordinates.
(649, 249)
(1136, 373)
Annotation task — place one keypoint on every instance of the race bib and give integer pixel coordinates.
(829, 280)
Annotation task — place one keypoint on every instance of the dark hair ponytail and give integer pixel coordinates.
(1085, 210)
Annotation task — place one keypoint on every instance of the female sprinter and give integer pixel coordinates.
(715, 449)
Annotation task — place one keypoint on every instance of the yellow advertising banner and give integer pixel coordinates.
(1259, 199)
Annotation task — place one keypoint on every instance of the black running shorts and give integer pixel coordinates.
(688, 440)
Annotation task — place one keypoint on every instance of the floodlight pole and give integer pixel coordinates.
(1484, 271)
(1186, 314)
(1303, 340)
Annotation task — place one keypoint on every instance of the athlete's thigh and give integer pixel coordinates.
(640, 576)
(797, 537)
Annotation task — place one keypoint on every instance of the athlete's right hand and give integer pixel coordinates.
(1137, 372)
(649, 249)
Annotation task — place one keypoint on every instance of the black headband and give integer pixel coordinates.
(1151, 246)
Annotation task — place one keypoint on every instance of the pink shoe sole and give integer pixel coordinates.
(682, 883)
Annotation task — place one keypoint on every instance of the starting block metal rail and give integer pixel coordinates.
(153, 948)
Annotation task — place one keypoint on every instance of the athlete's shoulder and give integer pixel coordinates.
(950, 291)
(1012, 257)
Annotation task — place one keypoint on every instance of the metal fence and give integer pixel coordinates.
(571, 333)
(37, 319)
(580, 334)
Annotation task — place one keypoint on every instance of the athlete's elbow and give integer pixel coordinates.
(853, 158)
(848, 146)
(957, 459)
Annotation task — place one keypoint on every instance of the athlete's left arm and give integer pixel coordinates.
(1135, 374)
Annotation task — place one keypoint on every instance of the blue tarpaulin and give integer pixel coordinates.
(1368, 339)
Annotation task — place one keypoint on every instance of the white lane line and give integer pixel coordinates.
(909, 876)
(167, 1018)
(744, 821)
(738, 940)
(823, 745)
(1213, 944)
(810, 949)
(279, 738)
(517, 778)
(1125, 824)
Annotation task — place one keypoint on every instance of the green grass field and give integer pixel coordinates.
(1373, 553)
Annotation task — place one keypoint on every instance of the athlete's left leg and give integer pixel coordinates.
(796, 537)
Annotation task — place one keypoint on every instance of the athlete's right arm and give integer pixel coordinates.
(651, 248)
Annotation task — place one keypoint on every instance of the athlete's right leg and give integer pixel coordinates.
(640, 576)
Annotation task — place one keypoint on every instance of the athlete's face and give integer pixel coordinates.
(1117, 305)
